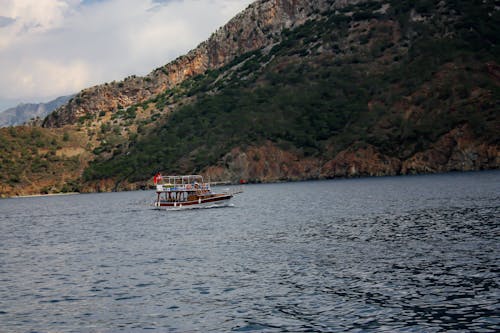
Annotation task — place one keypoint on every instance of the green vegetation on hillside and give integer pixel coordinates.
(30, 157)
(370, 78)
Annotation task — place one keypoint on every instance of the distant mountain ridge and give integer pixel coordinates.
(24, 112)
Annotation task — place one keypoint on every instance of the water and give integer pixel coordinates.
(395, 254)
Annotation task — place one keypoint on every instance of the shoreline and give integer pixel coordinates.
(252, 182)
(41, 195)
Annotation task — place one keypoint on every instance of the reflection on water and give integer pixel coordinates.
(404, 254)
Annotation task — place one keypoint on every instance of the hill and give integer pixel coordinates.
(36, 160)
(376, 88)
(25, 112)
(302, 89)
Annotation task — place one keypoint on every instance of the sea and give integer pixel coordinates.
(386, 254)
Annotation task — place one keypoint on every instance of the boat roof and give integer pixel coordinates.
(183, 179)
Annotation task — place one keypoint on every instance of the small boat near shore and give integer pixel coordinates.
(188, 191)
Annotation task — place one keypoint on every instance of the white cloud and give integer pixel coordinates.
(33, 77)
(50, 48)
(30, 18)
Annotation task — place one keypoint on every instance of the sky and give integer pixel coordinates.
(52, 48)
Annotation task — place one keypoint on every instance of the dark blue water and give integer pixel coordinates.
(397, 254)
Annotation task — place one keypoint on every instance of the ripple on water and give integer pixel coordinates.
(404, 254)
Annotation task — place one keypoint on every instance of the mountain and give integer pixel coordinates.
(258, 26)
(299, 89)
(27, 111)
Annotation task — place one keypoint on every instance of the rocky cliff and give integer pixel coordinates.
(257, 26)
(458, 150)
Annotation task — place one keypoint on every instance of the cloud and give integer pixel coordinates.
(30, 17)
(33, 76)
(50, 48)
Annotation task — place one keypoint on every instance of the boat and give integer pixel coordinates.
(187, 191)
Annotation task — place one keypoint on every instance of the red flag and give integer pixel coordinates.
(157, 178)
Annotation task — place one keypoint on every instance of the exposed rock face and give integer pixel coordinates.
(257, 26)
(457, 150)
(266, 163)
(361, 162)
